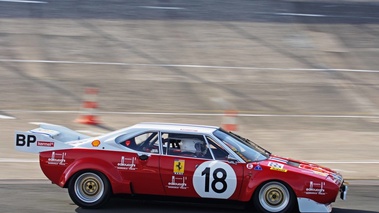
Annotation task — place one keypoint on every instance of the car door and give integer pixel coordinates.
(140, 166)
(198, 176)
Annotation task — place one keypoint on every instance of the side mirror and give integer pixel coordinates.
(232, 159)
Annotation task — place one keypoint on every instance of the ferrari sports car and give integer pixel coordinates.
(179, 160)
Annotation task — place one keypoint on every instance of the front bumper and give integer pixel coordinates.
(343, 190)
(308, 205)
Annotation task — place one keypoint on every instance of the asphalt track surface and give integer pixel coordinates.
(302, 74)
(35, 196)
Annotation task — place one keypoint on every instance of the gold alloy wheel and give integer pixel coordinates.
(89, 187)
(274, 196)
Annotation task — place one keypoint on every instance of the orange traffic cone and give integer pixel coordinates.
(229, 121)
(89, 107)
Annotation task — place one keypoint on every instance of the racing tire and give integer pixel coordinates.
(89, 189)
(274, 197)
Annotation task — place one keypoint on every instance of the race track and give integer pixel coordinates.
(303, 76)
(39, 196)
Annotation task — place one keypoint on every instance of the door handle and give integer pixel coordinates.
(143, 157)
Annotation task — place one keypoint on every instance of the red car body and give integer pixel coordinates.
(95, 168)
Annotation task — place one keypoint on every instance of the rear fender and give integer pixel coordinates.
(119, 186)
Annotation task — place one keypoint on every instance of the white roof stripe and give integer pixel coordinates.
(190, 128)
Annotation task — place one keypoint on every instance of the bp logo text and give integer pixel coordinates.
(22, 140)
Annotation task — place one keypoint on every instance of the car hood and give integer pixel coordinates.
(312, 168)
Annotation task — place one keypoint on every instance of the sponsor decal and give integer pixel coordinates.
(315, 188)
(214, 179)
(254, 166)
(127, 163)
(95, 143)
(57, 159)
(258, 168)
(45, 143)
(177, 183)
(25, 140)
(179, 167)
(249, 166)
(277, 167)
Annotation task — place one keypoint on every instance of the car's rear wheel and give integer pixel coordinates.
(274, 197)
(89, 189)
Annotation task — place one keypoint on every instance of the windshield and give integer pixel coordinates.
(243, 147)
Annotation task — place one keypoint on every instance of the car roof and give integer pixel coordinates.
(180, 127)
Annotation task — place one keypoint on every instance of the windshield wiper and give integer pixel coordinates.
(250, 142)
(266, 151)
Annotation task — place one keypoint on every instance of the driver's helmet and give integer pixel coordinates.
(194, 146)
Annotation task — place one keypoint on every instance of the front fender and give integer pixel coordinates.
(304, 185)
(93, 164)
(255, 178)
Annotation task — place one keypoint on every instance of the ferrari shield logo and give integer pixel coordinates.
(179, 167)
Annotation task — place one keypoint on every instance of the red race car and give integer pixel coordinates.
(180, 160)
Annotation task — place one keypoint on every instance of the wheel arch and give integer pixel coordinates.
(89, 189)
(118, 185)
(288, 186)
(84, 171)
(273, 180)
(253, 184)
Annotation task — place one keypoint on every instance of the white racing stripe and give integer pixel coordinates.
(18, 160)
(24, 1)
(24, 181)
(315, 15)
(300, 14)
(189, 66)
(6, 117)
(162, 8)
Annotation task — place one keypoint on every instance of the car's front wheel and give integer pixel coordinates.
(274, 197)
(89, 189)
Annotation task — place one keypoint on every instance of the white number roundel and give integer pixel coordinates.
(214, 179)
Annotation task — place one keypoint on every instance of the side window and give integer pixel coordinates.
(186, 145)
(146, 142)
(218, 152)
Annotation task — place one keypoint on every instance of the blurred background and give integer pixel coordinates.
(302, 75)
(299, 77)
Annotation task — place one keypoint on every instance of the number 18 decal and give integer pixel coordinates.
(214, 179)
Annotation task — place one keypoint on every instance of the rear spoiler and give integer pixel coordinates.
(48, 137)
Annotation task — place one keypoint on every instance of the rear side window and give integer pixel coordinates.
(146, 142)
